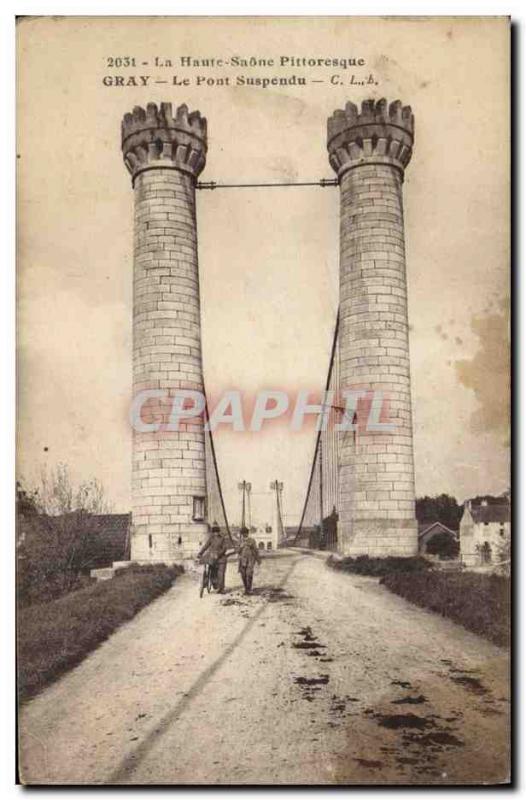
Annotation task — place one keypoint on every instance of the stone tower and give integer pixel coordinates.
(369, 151)
(165, 153)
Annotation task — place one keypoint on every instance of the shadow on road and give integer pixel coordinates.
(133, 759)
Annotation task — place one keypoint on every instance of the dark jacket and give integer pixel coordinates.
(214, 549)
(248, 553)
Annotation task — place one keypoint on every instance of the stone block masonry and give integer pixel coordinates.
(369, 151)
(164, 153)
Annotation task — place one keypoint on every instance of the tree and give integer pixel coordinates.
(441, 508)
(26, 501)
(57, 533)
(485, 552)
(57, 494)
(444, 545)
(504, 556)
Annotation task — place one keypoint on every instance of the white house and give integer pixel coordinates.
(266, 536)
(485, 531)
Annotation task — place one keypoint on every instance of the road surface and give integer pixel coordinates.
(318, 678)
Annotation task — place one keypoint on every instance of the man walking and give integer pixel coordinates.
(214, 553)
(248, 557)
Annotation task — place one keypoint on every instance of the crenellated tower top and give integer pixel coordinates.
(378, 134)
(156, 138)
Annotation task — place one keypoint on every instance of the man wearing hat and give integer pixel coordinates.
(214, 552)
(248, 557)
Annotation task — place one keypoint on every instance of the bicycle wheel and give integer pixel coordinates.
(204, 580)
(209, 581)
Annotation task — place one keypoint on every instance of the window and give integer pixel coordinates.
(150, 541)
(269, 545)
(198, 513)
(179, 540)
(501, 530)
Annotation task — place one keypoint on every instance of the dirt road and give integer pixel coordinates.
(317, 678)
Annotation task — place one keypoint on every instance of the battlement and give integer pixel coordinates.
(156, 138)
(378, 133)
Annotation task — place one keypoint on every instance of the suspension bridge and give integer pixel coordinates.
(314, 679)
(360, 493)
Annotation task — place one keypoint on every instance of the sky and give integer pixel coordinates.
(268, 257)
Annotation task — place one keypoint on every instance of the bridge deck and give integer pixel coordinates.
(319, 677)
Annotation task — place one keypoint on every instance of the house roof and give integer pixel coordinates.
(428, 526)
(491, 513)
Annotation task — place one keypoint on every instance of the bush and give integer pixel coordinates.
(444, 545)
(479, 602)
(55, 636)
(378, 567)
(57, 535)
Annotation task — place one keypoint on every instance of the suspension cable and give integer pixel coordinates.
(324, 182)
(318, 437)
(216, 470)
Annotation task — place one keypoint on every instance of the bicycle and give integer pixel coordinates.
(206, 580)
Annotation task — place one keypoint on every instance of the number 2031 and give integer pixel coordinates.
(120, 61)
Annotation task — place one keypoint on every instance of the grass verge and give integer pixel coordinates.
(378, 567)
(478, 602)
(53, 637)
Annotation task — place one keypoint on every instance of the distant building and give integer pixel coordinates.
(429, 533)
(266, 536)
(485, 530)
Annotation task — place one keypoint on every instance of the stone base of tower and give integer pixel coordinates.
(378, 537)
(168, 548)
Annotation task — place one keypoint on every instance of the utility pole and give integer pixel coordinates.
(277, 486)
(248, 490)
(245, 488)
